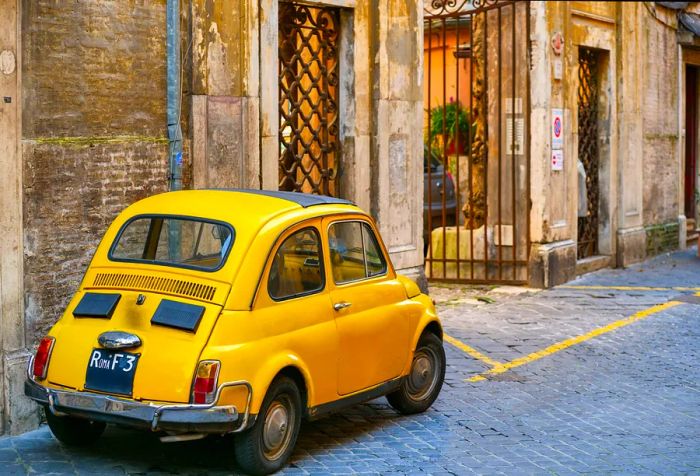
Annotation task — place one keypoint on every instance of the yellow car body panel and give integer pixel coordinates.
(337, 352)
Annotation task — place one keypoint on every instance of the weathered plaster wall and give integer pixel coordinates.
(222, 56)
(631, 237)
(396, 157)
(660, 137)
(93, 135)
(16, 414)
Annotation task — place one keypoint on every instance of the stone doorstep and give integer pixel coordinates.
(692, 237)
(593, 263)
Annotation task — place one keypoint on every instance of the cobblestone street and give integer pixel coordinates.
(624, 398)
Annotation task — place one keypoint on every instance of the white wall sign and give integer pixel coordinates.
(7, 62)
(558, 69)
(557, 129)
(558, 159)
(515, 126)
(514, 145)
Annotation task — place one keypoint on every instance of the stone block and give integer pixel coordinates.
(552, 264)
(631, 246)
(471, 246)
(21, 413)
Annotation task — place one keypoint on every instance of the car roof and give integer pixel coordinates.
(250, 208)
(303, 199)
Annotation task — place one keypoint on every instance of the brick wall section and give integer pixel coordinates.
(660, 164)
(94, 128)
(93, 68)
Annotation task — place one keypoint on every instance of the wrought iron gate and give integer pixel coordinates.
(308, 87)
(477, 160)
(588, 150)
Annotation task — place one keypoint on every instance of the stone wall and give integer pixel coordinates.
(93, 135)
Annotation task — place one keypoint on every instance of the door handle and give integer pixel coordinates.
(341, 305)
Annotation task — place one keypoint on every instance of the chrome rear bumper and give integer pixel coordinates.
(201, 418)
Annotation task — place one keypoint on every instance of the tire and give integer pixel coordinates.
(73, 431)
(267, 446)
(421, 386)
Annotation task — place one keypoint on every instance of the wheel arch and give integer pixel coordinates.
(432, 327)
(293, 373)
(428, 325)
(289, 366)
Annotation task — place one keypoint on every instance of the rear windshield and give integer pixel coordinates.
(174, 241)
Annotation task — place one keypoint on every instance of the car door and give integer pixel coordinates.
(293, 308)
(366, 298)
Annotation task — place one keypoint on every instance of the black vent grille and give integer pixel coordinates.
(139, 282)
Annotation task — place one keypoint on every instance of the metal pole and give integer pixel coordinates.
(173, 89)
(173, 115)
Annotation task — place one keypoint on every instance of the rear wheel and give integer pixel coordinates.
(73, 431)
(422, 385)
(266, 447)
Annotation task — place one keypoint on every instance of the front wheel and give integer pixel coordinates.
(266, 447)
(422, 385)
(73, 431)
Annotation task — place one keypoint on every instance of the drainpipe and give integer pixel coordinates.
(174, 94)
(172, 44)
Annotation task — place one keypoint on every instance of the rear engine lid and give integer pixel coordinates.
(171, 317)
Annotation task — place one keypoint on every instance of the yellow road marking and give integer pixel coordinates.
(471, 351)
(629, 288)
(502, 368)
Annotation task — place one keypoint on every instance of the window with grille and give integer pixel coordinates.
(308, 100)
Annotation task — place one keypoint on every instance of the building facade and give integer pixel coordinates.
(621, 91)
(578, 135)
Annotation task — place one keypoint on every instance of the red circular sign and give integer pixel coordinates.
(557, 127)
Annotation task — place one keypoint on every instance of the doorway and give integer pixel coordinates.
(691, 145)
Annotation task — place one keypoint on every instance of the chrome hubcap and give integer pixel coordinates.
(276, 430)
(423, 376)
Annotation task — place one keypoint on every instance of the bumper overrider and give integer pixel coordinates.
(181, 418)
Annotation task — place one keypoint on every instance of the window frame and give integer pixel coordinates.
(364, 252)
(167, 264)
(273, 254)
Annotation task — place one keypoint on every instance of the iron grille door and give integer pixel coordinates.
(477, 154)
(308, 108)
(588, 149)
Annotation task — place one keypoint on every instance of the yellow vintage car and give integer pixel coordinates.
(236, 311)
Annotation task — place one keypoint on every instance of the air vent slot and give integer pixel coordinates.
(140, 282)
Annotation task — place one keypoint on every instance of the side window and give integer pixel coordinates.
(355, 253)
(296, 267)
(376, 264)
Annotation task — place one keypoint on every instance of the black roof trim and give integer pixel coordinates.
(303, 199)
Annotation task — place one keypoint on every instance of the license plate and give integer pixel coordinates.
(111, 371)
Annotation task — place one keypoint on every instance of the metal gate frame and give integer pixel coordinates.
(511, 269)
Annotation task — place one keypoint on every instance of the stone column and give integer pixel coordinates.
(553, 250)
(397, 142)
(18, 412)
(631, 237)
(225, 104)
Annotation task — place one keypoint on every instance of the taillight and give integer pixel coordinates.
(41, 359)
(204, 387)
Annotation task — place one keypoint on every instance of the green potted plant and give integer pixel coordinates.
(449, 125)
